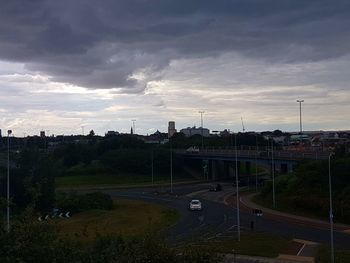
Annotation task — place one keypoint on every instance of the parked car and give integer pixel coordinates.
(195, 205)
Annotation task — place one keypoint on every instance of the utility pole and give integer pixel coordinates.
(8, 182)
(330, 206)
(171, 166)
(273, 176)
(301, 127)
(256, 163)
(152, 165)
(237, 194)
(201, 112)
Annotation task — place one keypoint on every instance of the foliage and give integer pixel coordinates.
(324, 255)
(307, 189)
(179, 140)
(75, 203)
(32, 241)
(32, 181)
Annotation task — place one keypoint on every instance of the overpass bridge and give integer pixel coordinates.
(219, 163)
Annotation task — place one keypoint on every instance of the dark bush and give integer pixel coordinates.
(76, 203)
(96, 200)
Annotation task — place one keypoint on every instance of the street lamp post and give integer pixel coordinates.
(171, 166)
(256, 163)
(8, 182)
(330, 206)
(152, 167)
(301, 127)
(201, 112)
(273, 176)
(237, 193)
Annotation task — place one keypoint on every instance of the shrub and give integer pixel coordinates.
(76, 203)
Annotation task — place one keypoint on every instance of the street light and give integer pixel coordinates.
(237, 193)
(301, 127)
(152, 166)
(273, 175)
(256, 163)
(201, 112)
(171, 166)
(8, 182)
(330, 206)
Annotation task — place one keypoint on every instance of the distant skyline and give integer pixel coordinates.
(67, 64)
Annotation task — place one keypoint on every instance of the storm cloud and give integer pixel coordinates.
(66, 64)
(103, 44)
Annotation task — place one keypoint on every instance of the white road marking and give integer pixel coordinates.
(301, 249)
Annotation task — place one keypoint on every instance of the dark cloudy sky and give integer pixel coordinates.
(101, 63)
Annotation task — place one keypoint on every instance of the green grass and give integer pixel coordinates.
(340, 256)
(128, 218)
(108, 180)
(253, 244)
(283, 205)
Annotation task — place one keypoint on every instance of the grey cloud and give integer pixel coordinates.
(100, 44)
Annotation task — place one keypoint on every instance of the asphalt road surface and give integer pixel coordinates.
(217, 219)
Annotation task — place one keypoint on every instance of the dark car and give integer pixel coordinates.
(216, 188)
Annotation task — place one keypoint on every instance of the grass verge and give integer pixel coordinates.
(253, 244)
(340, 256)
(128, 218)
(283, 205)
(108, 180)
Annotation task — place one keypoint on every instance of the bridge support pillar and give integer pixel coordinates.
(226, 169)
(247, 167)
(284, 168)
(214, 169)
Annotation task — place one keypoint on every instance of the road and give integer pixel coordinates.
(219, 220)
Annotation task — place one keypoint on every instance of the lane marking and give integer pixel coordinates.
(301, 249)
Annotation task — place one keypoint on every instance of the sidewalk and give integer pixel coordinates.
(246, 201)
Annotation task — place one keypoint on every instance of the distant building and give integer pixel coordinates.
(225, 133)
(42, 134)
(171, 129)
(157, 137)
(195, 131)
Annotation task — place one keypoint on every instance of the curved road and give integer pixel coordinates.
(217, 219)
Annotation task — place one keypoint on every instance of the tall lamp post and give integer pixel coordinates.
(171, 166)
(273, 176)
(330, 206)
(152, 167)
(201, 112)
(256, 163)
(8, 182)
(301, 127)
(237, 194)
